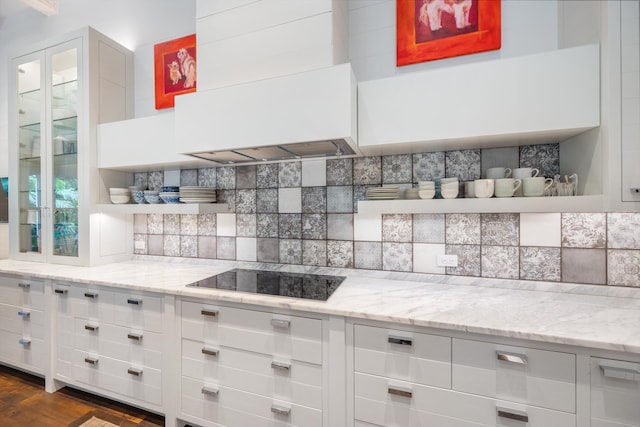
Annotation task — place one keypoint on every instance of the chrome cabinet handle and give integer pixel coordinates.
(210, 313)
(134, 336)
(280, 410)
(520, 359)
(91, 360)
(513, 415)
(91, 328)
(400, 340)
(24, 314)
(209, 351)
(280, 323)
(24, 342)
(60, 291)
(24, 285)
(620, 373)
(91, 294)
(209, 391)
(281, 366)
(134, 371)
(134, 301)
(403, 392)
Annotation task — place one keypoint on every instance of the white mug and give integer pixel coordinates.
(536, 186)
(522, 173)
(483, 188)
(506, 187)
(498, 173)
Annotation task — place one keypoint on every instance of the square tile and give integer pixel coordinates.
(228, 197)
(268, 250)
(540, 263)
(500, 262)
(367, 170)
(207, 247)
(468, 260)
(314, 252)
(207, 177)
(226, 248)
(226, 225)
(171, 245)
(425, 256)
(505, 157)
(171, 177)
(246, 249)
(246, 201)
(623, 267)
(290, 226)
(155, 180)
(171, 224)
(207, 224)
(502, 229)
(462, 229)
(339, 172)
(428, 166)
(267, 200)
(246, 225)
(289, 174)
(314, 199)
(428, 228)
(189, 246)
(140, 245)
(189, 225)
(340, 226)
(367, 227)
(359, 193)
(397, 228)
(267, 175)
(314, 173)
(340, 253)
(314, 226)
(290, 200)
(141, 178)
(397, 169)
(545, 157)
(584, 230)
(246, 177)
(140, 223)
(155, 224)
(189, 177)
(397, 256)
(464, 164)
(340, 199)
(540, 229)
(267, 225)
(623, 230)
(584, 266)
(290, 251)
(367, 255)
(226, 177)
(156, 244)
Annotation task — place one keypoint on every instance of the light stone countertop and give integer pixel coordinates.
(599, 317)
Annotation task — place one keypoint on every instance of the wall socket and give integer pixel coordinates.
(138, 245)
(447, 260)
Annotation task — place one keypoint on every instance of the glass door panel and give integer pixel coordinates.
(64, 143)
(30, 160)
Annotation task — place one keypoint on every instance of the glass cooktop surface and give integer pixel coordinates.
(278, 283)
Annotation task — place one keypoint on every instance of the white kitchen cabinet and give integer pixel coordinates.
(22, 324)
(59, 91)
(615, 393)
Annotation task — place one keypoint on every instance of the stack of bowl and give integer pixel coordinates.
(152, 196)
(137, 192)
(170, 194)
(119, 195)
(426, 189)
(449, 188)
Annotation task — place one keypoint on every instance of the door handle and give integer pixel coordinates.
(520, 359)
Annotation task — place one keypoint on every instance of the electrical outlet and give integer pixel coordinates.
(139, 245)
(447, 260)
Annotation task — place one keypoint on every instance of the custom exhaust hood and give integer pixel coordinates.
(310, 114)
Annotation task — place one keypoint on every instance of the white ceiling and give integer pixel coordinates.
(10, 7)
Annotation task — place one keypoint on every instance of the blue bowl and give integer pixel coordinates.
(170, 189)
(170, 198)
(138, 196)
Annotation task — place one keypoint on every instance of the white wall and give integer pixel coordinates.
(4, 240)
(137, 24)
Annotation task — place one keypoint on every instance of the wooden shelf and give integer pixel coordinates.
(165, 208)
(511, 204)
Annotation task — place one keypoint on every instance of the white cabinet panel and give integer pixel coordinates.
(22, 292)
(22, 350)
(615, 393)
(141, 311)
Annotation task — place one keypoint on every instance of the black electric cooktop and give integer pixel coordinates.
(279, 283)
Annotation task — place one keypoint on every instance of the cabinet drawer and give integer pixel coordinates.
(293, 381)
(117, 342)
(416, 405)
(615, 393)
(84, 301)
(22, 292)
(234, 408)
(291, 337)
(408, 356)
(141, 311)
(23, 350)
(518, 374)
(118, 376)
(23, 321)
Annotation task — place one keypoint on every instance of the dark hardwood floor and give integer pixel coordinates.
(25, 403)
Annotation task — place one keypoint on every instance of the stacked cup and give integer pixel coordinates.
(426, 189)
(449, 188)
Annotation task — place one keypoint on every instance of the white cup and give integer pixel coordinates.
(522, 173)
(536, 186)
(449, 193)
(469, 190)
(448, 180)
(506, 187)
(498, 173)
(483, 188)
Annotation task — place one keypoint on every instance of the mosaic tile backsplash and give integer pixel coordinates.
(306, 213)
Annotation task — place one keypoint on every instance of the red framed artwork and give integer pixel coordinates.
(175, 69)
(437, 29)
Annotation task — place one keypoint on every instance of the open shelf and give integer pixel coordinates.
(165, 208)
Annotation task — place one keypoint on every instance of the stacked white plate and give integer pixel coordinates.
(195, 194)
(389, 192)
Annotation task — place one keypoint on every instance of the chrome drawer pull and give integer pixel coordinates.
(512, 357)
(133, 336)
(91, 328)
(24, 314)
(400, 392)
(280, 324)
(91, 294)
(134, 301)
(620, 373)
(24, 342)
(513, 415)
(400, 340)
(24, 285)
(280, 410)
(134, 371)
(60, 291)
(91, 360)
(210, 351)
(209, 391)
(211, 313)
(280, 366)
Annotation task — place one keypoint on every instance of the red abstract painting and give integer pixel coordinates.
(175, 69)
